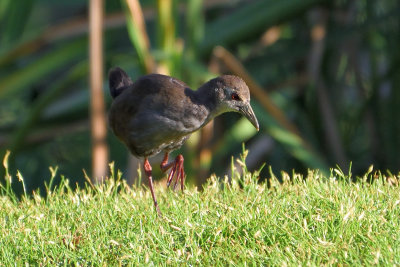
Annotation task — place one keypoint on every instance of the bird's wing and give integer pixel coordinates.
(149, 113)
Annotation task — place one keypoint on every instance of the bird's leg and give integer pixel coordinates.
(147, 170)
(164, 163)
(177, 168)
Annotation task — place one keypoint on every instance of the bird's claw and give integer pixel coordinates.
(178, 172)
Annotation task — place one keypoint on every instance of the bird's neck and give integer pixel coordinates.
(206, 98)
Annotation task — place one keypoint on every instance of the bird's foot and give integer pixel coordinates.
(177, 170)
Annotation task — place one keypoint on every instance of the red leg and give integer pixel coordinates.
(147, 170)
(164, 164)
(177, 170)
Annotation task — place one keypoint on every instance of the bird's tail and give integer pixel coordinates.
(118, 81)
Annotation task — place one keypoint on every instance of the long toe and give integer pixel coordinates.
(177, 172)
(182, 178)
(180, 175)
(171, 175)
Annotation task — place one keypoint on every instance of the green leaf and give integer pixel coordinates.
(292, 143)
(138, 37)
(252, 19)
(16, 15)
(60, 57)
(78, 72)
(194, 26)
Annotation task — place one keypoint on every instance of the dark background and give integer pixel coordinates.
(324, 77)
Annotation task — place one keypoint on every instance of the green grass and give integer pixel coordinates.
(309, 220)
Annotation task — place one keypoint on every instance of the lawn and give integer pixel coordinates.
(314, 220)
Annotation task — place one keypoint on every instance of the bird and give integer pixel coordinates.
(158, 113)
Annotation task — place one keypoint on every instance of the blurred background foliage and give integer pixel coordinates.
(324, 78)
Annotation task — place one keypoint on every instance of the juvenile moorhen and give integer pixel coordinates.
(158, 113)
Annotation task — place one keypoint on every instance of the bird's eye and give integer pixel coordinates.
(235, 96)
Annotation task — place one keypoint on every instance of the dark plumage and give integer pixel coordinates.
(158, 113)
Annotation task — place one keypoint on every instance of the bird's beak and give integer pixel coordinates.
(248, 112)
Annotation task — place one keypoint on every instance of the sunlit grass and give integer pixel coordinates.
(304, 220)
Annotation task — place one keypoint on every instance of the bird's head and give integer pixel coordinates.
(232, 94)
